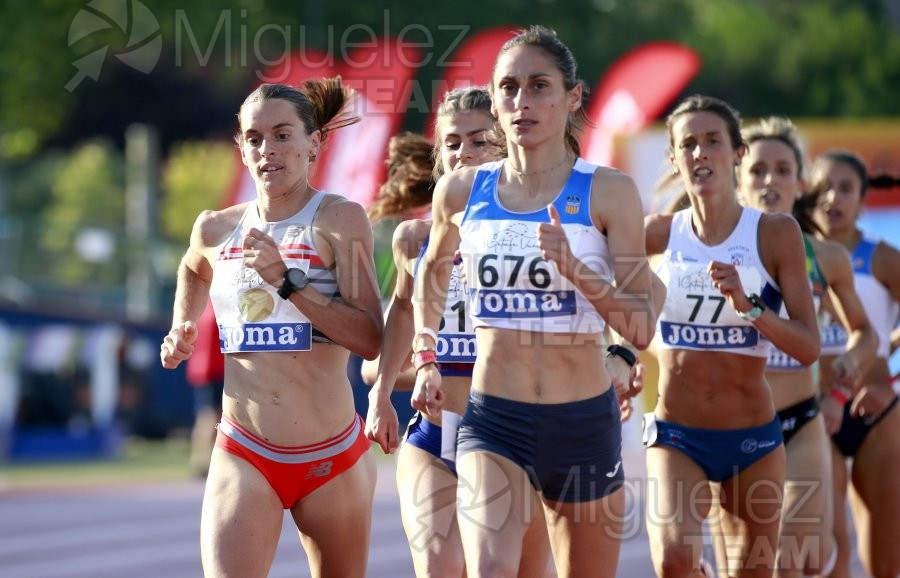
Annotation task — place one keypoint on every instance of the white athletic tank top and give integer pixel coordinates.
(250, 314)
(880, 306)
(695, 314)
(779, 360)
(510, 286)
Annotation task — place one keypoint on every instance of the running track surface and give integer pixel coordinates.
(152, 531)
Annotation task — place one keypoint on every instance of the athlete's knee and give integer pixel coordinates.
(676, 562)
(446, 569)
(495, 568)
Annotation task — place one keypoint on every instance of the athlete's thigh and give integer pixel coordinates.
(806, 513)
(537, 559)
(494, 509)
(754, 498)
(427, 490)
(726, 535)
(587, 536)
(874, 497)
(241, 519)
(335, 521)
(677, 499)
(840, 523)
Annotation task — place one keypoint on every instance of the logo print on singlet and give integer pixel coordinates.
(266, 337)
(738, 255)
(573, 204)
(513, 236)
(256, 305)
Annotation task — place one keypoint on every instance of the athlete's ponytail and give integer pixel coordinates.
(320, 104)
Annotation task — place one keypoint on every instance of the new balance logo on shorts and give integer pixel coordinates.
(320, 470)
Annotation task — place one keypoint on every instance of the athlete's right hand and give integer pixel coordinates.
(832, 413)
(427, 395)
(178, 344)
(382, 426)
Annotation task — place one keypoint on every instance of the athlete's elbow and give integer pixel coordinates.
(637, 326)
(810, 353)
(371, 348)
(643, 341)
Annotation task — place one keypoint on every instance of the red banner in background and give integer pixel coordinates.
(876, 141)
(633, 92)
(352, 162)
(472, 64)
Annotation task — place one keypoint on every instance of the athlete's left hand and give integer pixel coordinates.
(554, 244)
(832, 413)
(846, 372)
(626, 408)
(726, 279)
(261, 254)
(871, 401)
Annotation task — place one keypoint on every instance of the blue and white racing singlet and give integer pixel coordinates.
(881, 308)
(510, 285)
(250, 314)
(456, 335)
(695, 314)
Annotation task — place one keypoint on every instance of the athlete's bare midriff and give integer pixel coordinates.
(713, 390)
(290, 398)
(536, 367)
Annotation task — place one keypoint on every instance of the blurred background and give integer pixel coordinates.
(116, 125)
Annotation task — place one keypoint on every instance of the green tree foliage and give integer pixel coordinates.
(196, 177)
(88, 195)
(804, 58)
(814, 59)
(34, 62)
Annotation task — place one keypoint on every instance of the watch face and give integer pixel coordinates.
(757, 302)
(297, 278)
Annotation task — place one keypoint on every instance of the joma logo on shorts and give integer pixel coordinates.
(708, 336)
(266, 337)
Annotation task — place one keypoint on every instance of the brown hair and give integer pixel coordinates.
(819, 171)
(546, 40)
(703, 103)
(783, 130)
(459, 100)
(320, 104)
(409, 183)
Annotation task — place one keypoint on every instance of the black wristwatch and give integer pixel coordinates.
(294, 280)
(756, 311)
(619, 351)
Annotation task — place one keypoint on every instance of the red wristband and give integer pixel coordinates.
(838, 395)
(424, 357)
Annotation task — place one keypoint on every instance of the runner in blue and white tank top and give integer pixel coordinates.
(869, 429)
(542, 414)
(729, 271)
(426, 471)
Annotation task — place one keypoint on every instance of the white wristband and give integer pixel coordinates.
(425, 331)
